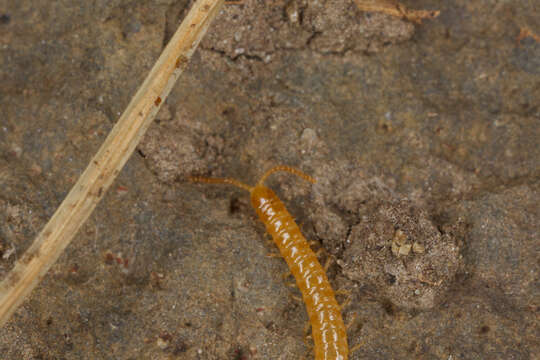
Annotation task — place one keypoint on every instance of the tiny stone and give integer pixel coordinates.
(309, 135)
(400, 237)
(17, 150)
(395, 249)
(292, 12)
(405, 249)
(418, 248)
(162, 344)
(36, 169)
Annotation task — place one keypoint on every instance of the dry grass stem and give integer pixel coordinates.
(109, 160)
(396, 9)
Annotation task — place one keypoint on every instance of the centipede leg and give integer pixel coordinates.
(313, 243)
(291, 285)
(308, 342)
(349, 324)
(273, 255)
(351, 320)
(346, 303)
(327, 263)
(307, 336)
(356, 347)
(322, 251)
(285, 276)
(347, 295)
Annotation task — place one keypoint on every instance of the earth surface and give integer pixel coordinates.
(424, 140)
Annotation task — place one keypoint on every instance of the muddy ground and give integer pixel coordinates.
(424, 139)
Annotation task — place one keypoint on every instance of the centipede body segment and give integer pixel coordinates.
(328, 330)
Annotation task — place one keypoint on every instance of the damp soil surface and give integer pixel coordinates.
(424, 140)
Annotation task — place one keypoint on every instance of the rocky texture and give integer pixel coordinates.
(423, 139)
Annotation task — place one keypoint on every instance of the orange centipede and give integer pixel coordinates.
(328, 330)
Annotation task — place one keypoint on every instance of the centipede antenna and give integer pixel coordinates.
(228, 181)
(288, 169)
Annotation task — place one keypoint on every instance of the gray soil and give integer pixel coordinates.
(424, 140)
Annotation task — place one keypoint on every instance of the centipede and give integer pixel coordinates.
(328, 330)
